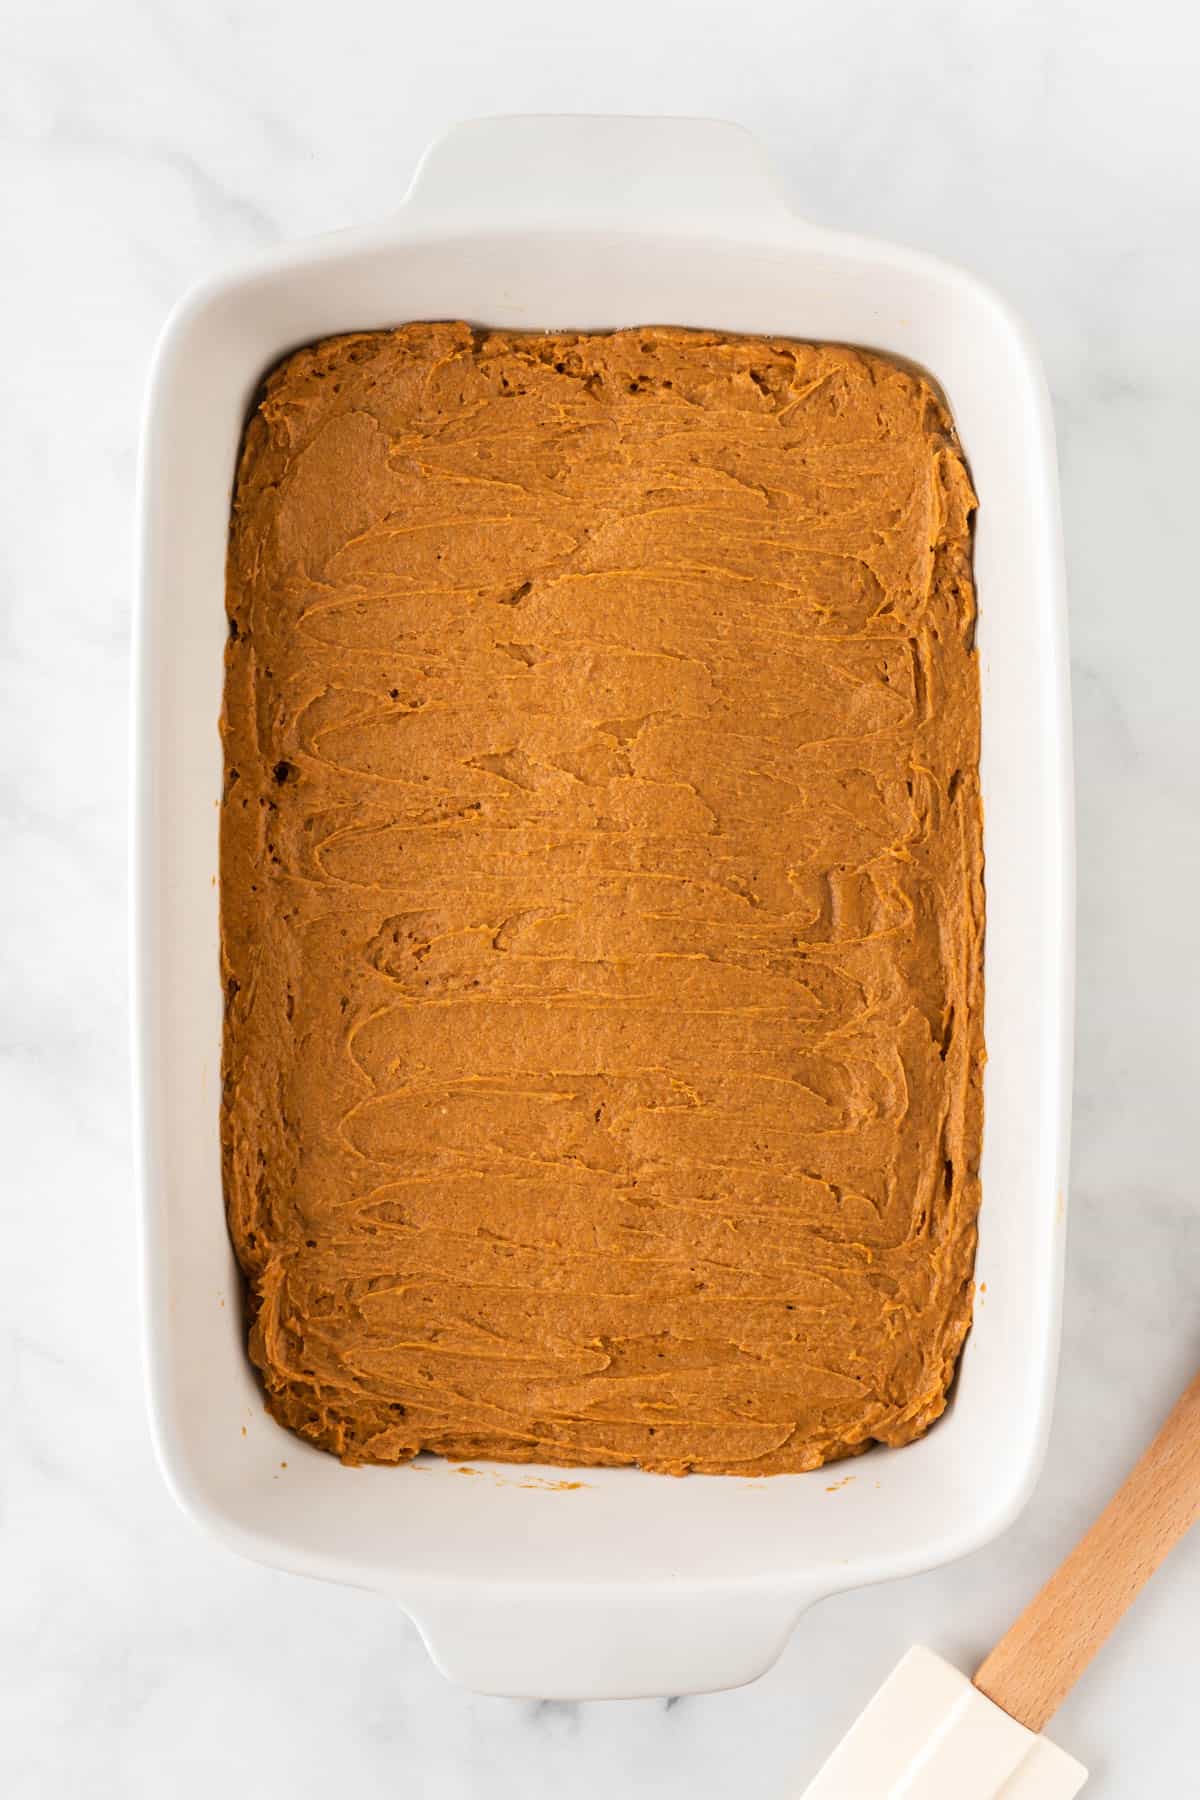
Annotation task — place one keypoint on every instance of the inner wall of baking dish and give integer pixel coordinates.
(882, 1513)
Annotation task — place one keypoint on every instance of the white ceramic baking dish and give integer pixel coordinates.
(627, 1583)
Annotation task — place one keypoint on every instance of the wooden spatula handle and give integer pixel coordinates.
(1038, 1661)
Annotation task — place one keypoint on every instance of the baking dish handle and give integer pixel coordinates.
(599, 170)
(598, 1643)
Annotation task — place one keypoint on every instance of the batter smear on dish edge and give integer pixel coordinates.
(602, 904)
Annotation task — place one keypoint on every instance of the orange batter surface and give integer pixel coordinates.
(602, 898)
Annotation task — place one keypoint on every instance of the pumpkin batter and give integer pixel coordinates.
(602, 898)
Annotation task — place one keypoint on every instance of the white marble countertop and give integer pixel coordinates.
(1049, 147)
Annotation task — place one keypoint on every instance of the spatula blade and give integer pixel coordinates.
(929, 1735)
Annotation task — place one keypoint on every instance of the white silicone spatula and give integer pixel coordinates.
(930, 1734)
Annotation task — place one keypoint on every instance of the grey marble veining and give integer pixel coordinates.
(1051, 148)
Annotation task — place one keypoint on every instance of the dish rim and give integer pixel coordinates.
(423, 221)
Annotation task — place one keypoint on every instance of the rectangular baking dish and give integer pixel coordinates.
(626, 1583)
